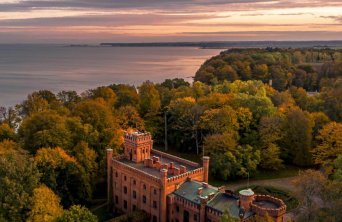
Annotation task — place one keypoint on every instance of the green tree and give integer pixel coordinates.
(149, 99)
(270, 157)
(86, 157)
(297, 141)
(77, 213)
(45, 206)
(64, 175)
(19, 177)
(126, 95)
(219, 120)
(44, 129)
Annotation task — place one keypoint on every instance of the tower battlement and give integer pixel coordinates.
(138, 146)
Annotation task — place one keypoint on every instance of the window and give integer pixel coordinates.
(125, 178)
(125, 190)
(144, 199)
(134, 194)
(134, 182)
(155, 204)
(155, 191)
(116, 174)
(177, 208)
(116, 199)
(144, 187)
(125, 204)
(195, 217)
(134, 207)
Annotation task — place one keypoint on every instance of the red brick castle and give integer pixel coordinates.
(172, 189)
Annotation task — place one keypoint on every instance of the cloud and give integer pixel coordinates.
(336, 18)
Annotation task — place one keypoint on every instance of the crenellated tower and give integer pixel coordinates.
(138, 146)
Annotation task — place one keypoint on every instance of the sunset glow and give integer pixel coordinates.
(154, 20)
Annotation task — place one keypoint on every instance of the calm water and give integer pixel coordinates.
(26, 68)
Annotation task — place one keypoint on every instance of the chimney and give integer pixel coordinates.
(199, 190)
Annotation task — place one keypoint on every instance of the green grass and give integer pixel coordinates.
(290, 201)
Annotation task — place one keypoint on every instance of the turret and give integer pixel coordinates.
(138, 146)
(246, 198)
(206, 168)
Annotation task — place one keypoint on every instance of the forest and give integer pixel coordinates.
(52, 145)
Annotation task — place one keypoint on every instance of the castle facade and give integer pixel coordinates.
(172, 189)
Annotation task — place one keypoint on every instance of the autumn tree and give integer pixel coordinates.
(329, 144)
(19, 177)
(45, 206)
(44, 129)
(149, 99)
(129, 117)
(6, 132)
(64, 175)
(77, 213)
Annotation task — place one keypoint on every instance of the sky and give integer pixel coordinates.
(96, 21)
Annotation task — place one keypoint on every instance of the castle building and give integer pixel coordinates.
(172, 189)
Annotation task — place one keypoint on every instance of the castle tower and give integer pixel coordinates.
(206, 168)
(246, 198)
(138, 146)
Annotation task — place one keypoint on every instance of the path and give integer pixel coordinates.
(282, 183)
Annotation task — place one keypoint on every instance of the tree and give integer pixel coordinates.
(86, 157)
(329, 144)
(10, 116)
(77, 213)
(297, 142)
(9, 146)
(6, 132)
(106, 93)
(338, 168)
(45, 205)
(270, 157)
(19, 177)
(320, 198)
(126, 95)
(45, 129)
(129, 118)
(185, 115)
(64, 175)
(149, 99)
(219, 120)
(229, 160)
(227, 218)
(68, 97)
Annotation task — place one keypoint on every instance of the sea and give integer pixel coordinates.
(28, 68)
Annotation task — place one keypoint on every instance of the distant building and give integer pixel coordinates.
(172, 189)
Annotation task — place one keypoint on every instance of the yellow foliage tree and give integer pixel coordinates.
(330, 144)
(45, 205)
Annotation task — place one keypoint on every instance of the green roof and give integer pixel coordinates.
(189, 190)
(224, 202)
